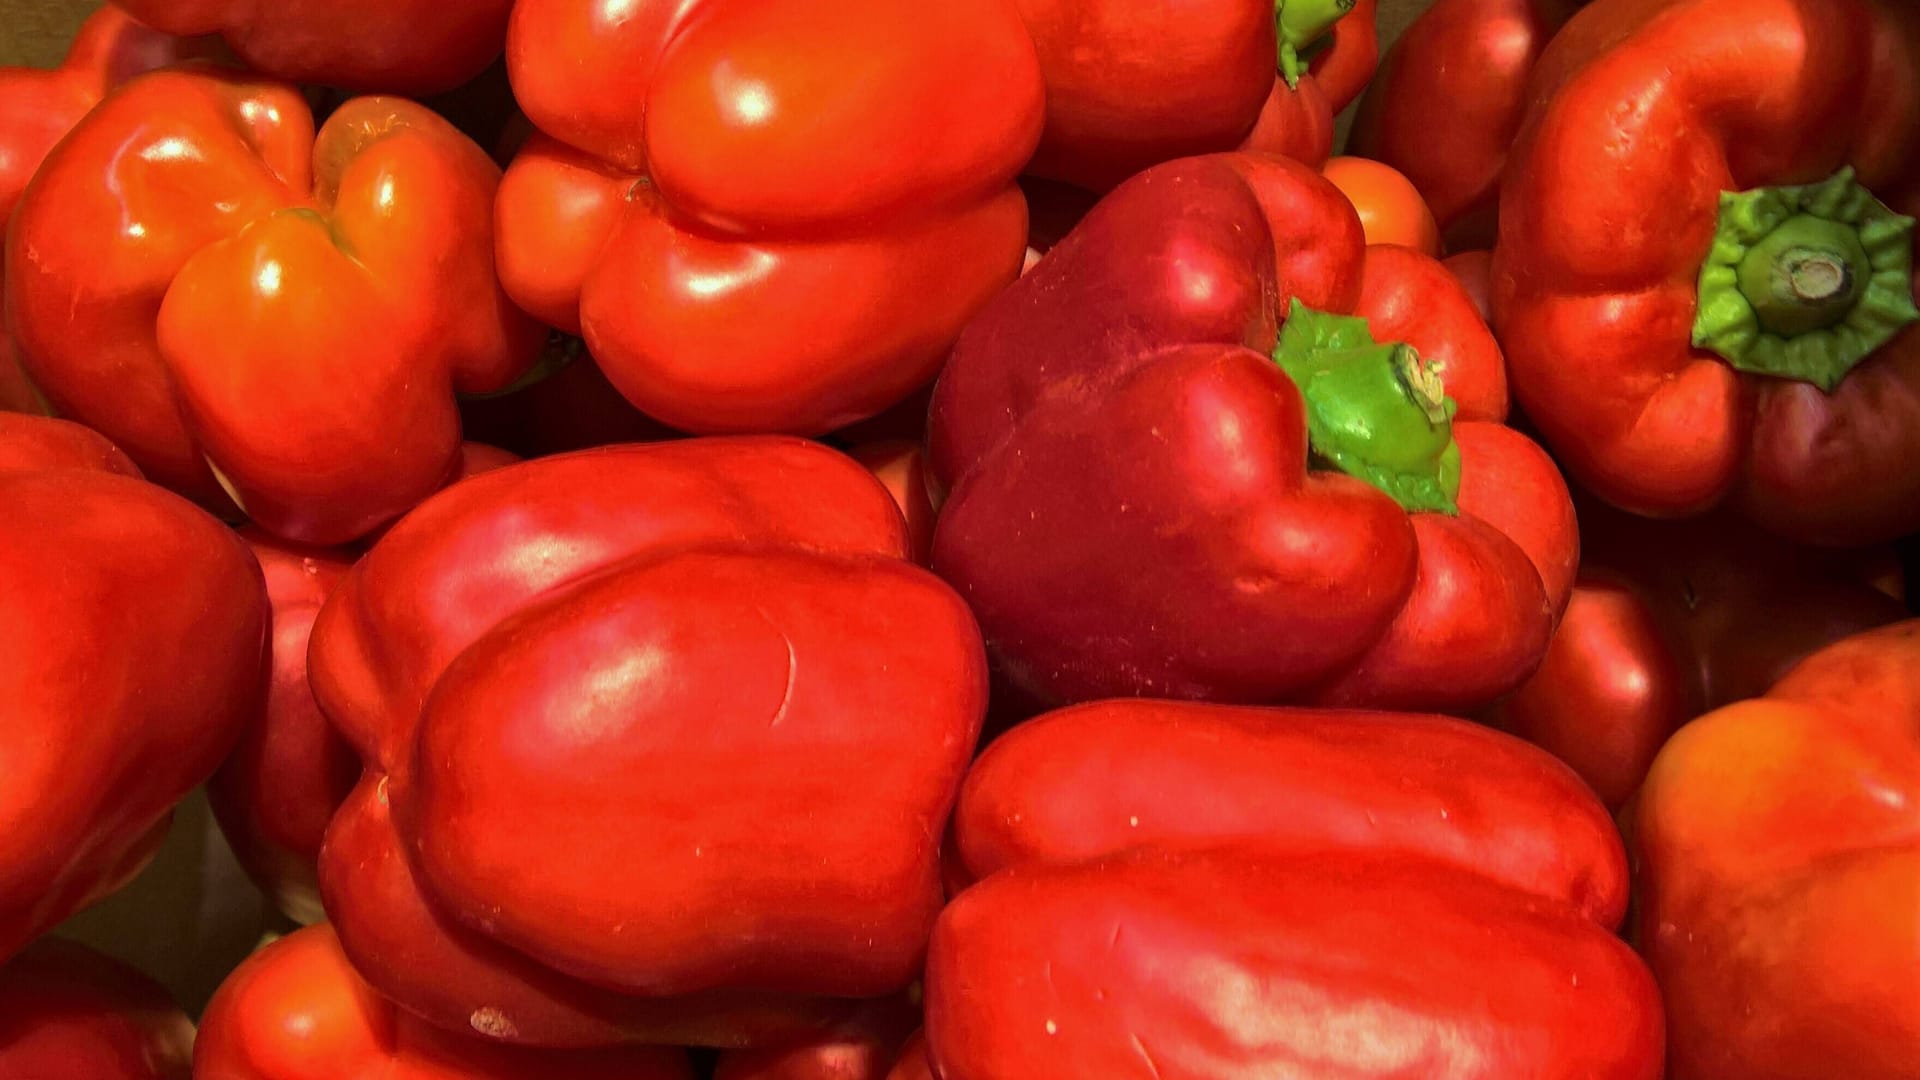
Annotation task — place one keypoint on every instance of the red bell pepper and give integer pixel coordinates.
(135, 612)
(1778, 847)
(902, 466)
(38, 108)
(1670, 620)
(1138, 504)
(741, 208)
(864, 1047)
(913, 1063)
(1130, 85)
(541, 848)
(1088, 781)
(296, 1010)
(1697, 307)
(243, 305)
(409, 47)
(69, 1013)
(1449, 99)
(573, 408)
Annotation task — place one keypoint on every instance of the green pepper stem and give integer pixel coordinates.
(1300, 25)
(1805, 282)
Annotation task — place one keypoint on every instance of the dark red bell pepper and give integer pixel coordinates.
(1140, 499)
(1670, 620)
(546, 846)
(133, 655)
(261, 314)
(1777, 847)
(69, 1013)
(1130, 84)
(767, 216)
(296, 1010)
(863, 1047)
(913, 1063)
(411, 47)
(1449, 99)
(1704, 277)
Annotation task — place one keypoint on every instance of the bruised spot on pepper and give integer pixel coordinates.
(1805, 282)
(492, 1023)
(1375, 411)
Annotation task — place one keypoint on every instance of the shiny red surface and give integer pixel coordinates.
(69, 1013)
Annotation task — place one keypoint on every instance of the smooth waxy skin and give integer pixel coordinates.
(1608, 212)
(1673, 619)
(1221, 964)
(296, 1010)
(1130, 85)
(1778, 844)
(1131, 511)
(132, 654)
(1095, 779)
(408, 47)
(38, 108)
(546, 846)
(1448, 101)
(319, 298)
(69, 1013)
(741, 208)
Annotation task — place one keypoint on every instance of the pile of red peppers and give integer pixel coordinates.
(883, 540)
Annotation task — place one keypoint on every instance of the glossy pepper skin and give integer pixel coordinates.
(740, 206)
(410, 47)
(1449, 99)
(863, 1047)
(69, 1013)
(38, 108)
(254, 310)
(1132, 84)
(1091, 780)
(1131, 511)
(296, 1010)
(130, 609)
(1629, 200)
(641, 876)
(1670, 620)
(1778, 846)
(1214, 964)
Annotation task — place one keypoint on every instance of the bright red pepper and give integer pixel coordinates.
(864, 1047)
(1250, 882)
(243, 305)
(38, 108)
(411, 47)
(913, 1063)
(1778, 847)
(741, 208)
(296, 1010)
(1132, 510)
(1696, 306)
(1130, 85)
(1449, 99)
(1670, 620)
(543, 849)
(1088, 781)
(135, 612)
(69, 1013)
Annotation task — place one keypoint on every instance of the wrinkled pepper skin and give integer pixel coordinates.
(1224, 963)
(1092, 780)
(1778, 847)
(1131, 84)
(739, 205)
(1449, 99)
(38, 108)
(131, 609)
(69, 1013)
(864, 1047)
(1611, 217)
(255, 311)
(1131, 511)
(542, 849)
(296, 1010)
(410, 47)
(1670, 620)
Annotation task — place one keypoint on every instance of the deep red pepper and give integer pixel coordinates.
(69, 1013)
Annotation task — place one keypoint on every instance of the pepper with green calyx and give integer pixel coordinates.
(1302, 27)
